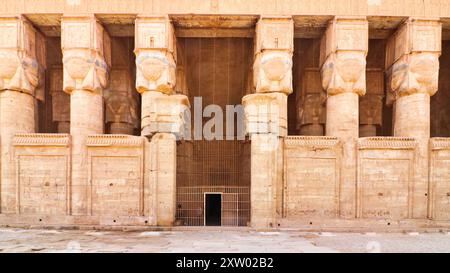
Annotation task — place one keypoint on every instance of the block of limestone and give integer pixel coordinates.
(164, 113)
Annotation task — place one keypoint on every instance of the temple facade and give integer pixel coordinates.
(345, 113)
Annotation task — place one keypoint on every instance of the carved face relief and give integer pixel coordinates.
(344, 72)
(415, 73)
(155, 72)
(273, 72)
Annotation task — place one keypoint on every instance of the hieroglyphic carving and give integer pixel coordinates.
(311, 190)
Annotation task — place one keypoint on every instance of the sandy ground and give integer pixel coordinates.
(34, 240)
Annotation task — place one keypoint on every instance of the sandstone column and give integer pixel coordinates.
(121, 98)
(412, 62)
(371, 104)
(86, 55)
(60, 101)
(162, 114)
(22, 63)
(266, 116)
(311, 112)
(343, 64)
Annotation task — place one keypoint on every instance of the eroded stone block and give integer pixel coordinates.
(265, 113)
(163, 113)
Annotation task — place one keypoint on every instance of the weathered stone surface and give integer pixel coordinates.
(272, 68)
(311, 111)
(343, 58)
(86, 54)
(265, 113)
(60, 100)
(386, 177)
(121, 103)
(22, 61)
(163, 113)
(314, 189)
(155, 55)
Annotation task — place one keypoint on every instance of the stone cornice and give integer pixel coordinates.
(41, 140)
(397, 143)
(114, 140)
(312, 141)
(440, 143)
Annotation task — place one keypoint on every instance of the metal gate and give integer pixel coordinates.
(213, 166)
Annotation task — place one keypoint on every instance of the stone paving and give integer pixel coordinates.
(34, 240)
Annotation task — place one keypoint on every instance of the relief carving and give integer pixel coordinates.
(22, 57)
(412, 58)
(343, 56)
(155, 55)
(272, 68)
(86, 54)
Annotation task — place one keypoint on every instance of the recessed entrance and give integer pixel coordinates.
(213, 209)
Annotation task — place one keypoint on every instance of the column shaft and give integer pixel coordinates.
(21, 75)
(85, 76)
(343, 57)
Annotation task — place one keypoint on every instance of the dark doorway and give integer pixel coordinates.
(213, 209)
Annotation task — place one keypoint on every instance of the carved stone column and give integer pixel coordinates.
(121, 103)
(60, 101)
(266, 116)
(86, 59)
(343, 64)
(412, 62)
(311, 111)
(163, 112)
(371, 104)
(22, 63)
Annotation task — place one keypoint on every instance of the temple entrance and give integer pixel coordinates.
(213, 209)
(217, 71)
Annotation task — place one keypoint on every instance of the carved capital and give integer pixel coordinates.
(22, 57)
(155, 55)
(265, 113)
(86, 50)
(272, 72)
(412, 58)
(343, 55)
(272, 68)
(162, 113)
(121, 100)
(155, 71)
(311, 103)
(370, 109)
(312, 109)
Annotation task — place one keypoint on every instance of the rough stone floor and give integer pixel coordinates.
(34, 240)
